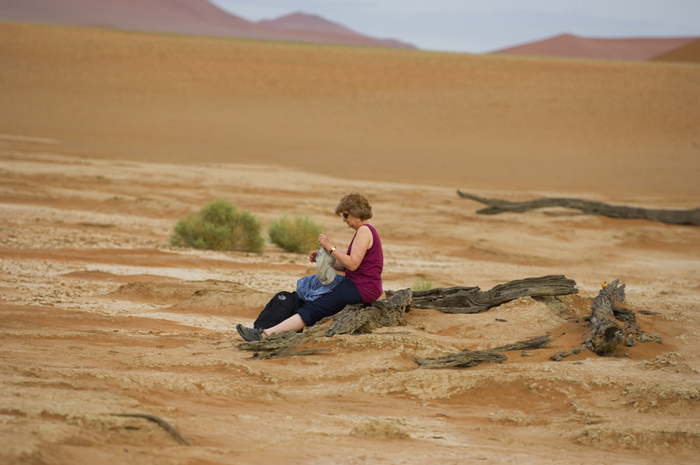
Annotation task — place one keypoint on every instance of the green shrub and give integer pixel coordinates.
(219, 226)
(299, 235)
(421, 285)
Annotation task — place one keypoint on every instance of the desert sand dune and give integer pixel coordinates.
(430, 118)
(107, 138)
(689, 53)
(572, 46)
(198, 17)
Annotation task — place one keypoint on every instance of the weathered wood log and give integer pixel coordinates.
(606, 334)
(278, 344)
(559, 356)
(353, 319)
(473, 300)
(363, 319)
(464, 359)
(495, 206)
(531, 344)
(469, 358)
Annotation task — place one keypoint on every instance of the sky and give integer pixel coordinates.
(480, 26)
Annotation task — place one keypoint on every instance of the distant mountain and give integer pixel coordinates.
(571, 46)
(306, 22)
(198, 17)
(181, 16)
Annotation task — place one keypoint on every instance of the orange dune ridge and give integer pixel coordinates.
(689, 53)
(379, 114)
(569, 45)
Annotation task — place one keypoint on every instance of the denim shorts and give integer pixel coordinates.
(329, 304)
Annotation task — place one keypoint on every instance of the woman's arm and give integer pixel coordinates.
(362, 242)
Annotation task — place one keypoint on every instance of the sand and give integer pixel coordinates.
(108, 138)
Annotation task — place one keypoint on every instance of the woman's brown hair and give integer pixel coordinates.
(355, 204)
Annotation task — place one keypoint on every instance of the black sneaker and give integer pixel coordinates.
(249, 334)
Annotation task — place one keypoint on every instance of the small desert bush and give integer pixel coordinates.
(219, 226)
(298, 235)
(422, 285)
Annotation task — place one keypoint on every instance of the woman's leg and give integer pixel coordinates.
(293, 323)
(311, 312)
(329, 304)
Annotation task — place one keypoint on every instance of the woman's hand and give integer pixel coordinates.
(312, 256)
(324, 242)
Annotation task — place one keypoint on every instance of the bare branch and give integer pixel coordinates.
(495, 206)
(472, 300)
(162, 423)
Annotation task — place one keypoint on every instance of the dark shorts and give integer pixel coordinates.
(329, 304)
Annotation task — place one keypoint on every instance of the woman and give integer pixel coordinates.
(362, 263)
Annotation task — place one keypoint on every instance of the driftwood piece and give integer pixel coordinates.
(559, 356)
(162, 423)
(353, 319)
(531, 344)
(606, 334)
(363, 319)
(473, 300)
(495, 206)
(278, 344)
(464, 359)
(470, 358)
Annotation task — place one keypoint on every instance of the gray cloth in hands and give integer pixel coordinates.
(324, 267)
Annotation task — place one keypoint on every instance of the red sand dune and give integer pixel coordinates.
(571, 46)
(187, 17)
(689, 53)
(306, 22)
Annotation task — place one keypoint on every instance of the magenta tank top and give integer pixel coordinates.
(368, 276)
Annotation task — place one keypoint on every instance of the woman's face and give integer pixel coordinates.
(351, 220)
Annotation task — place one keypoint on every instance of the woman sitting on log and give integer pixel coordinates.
(362, 263)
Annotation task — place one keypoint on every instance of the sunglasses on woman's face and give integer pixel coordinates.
(345, 216)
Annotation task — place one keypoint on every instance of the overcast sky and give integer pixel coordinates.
(478, 26)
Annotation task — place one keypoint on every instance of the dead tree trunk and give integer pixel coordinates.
(362, 319)
(606, 334)
(353, 319)
(495, 206)
(472, 300)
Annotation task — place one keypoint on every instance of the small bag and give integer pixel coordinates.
(283, 305)
(324, 267)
